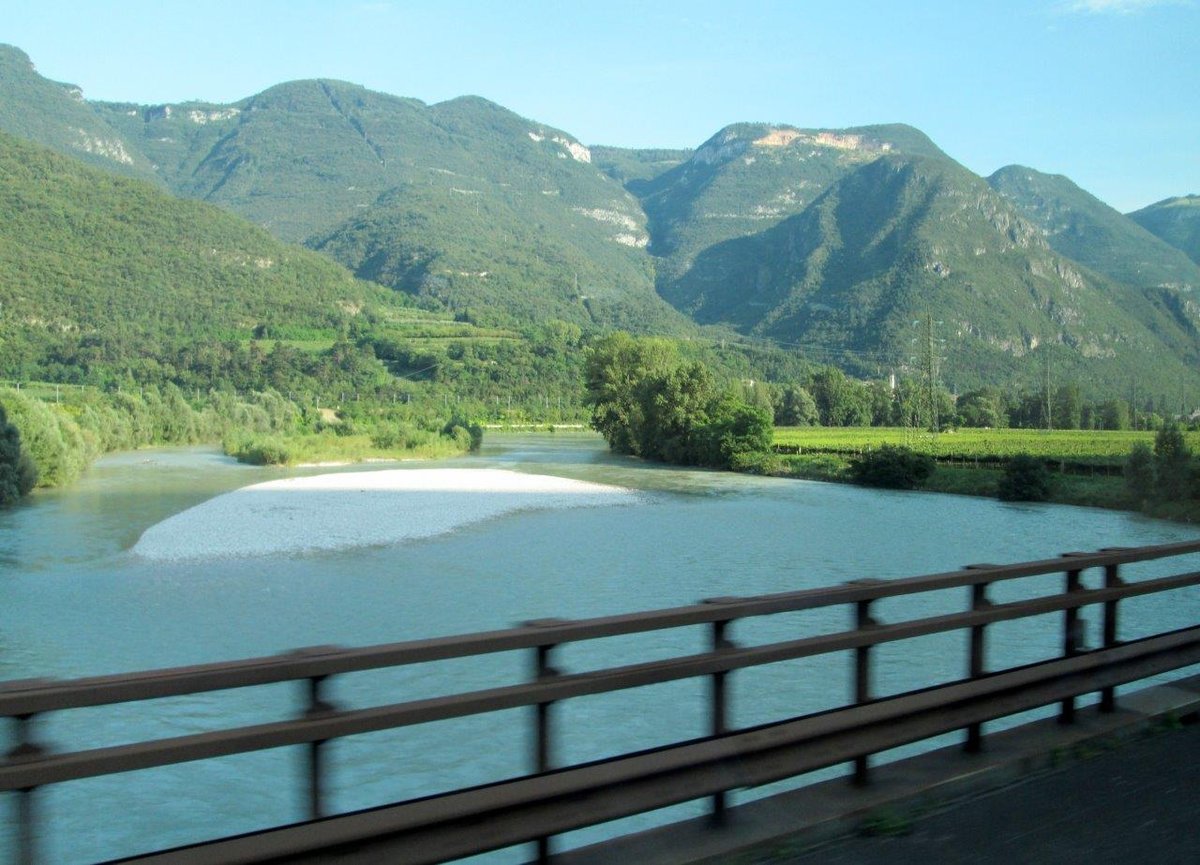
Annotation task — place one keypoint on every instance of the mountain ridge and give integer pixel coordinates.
(502, 220)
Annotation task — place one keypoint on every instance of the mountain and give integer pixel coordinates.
(463, 202)
(750, 176)
(905, 236)
(829, 241)
(1080, 226)
(101, 272)
(57, 116)
(1175, 220)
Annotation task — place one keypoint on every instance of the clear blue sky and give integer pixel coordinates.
(1104, 91)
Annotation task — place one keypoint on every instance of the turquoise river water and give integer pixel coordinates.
(75, 600)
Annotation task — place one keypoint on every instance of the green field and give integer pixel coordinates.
(1094, 447)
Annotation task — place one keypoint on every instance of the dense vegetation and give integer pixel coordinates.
(62, 431)
(17, 472)
(648, 402)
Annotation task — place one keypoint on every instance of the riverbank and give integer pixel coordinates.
(1093, 491)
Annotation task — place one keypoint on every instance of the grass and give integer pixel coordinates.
(1079, 447)
(1095, 491)
(316, 448)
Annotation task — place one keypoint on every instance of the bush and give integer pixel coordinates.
(260, 452)
(755, 463)
(1139, 473)
(18, 474)
(1025, 479)
(1172, 464)
(892, 467)
(464, 433)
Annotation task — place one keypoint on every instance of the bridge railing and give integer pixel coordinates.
(535, 806)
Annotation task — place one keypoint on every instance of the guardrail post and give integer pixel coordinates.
(1112, 580)
(316, 706)
(1073, 633)
(25, 749)
(862, 674)
(543, 670)
(977, 658)
(719, 703)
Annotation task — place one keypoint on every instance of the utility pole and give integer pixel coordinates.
(929, 370)
(1046, 388)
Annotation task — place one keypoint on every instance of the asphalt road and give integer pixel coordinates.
(1137, 803)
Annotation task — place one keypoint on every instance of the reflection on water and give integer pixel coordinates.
(74, 601)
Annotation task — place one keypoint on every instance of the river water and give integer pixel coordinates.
(75, 600)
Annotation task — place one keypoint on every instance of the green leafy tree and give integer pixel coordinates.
(1172, 463)
(647, 402)
(983, 408)
(1068, 407)
(738, 435)
(1114, 414)
(841, 401)
(614, 372)
(1025, 479)
(796, 407)
(17, 471)
(675, 409)
(1139, 473)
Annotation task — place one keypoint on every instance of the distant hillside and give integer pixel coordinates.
(1175, 220)
(829, 241)
(111, 274)
(904, 236)
(462, 202)
(629, 165)
(750, 176)
(57, 116)
(1080, 226)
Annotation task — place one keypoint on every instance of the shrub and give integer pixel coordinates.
(1139, 473)
(260, 452)
(892, 467)
(755, 463)
(466, 434)
(1172, 464)
(1025, 479)
(18, 474)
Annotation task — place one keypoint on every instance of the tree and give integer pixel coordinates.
(796, 407)
(17, 471)
(615, 367)
(1025, 479)
(738, 435)
(841, 401)
(983, 408)
(1139, 473)
(647, 402)
(1114, 414)
(675, 408)
(1068, 407)
(1172, 463)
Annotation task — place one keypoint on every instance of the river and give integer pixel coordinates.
(77, 600)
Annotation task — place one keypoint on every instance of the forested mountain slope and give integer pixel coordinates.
(101, 275)
(902, 237)
(1175, 220)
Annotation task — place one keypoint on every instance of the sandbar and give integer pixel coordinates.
(355, 509)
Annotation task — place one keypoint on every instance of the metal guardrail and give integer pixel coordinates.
(549, 801)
